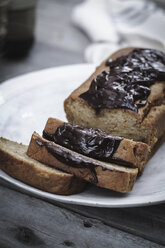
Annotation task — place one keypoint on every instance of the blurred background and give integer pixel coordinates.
(40, 34)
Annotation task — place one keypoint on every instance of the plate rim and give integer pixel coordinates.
(30, 190)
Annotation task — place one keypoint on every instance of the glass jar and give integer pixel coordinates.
(21, 24)
(3, 22)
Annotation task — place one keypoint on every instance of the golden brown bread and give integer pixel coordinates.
(135, 153)
(148, 125)
(15, 162)
(106, 175)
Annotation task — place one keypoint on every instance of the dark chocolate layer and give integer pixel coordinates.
(69, 158)
(127, 83)
(90, 142)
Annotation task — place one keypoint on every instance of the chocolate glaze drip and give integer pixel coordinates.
(47, 135)
(90, 142)
(74, 160)
(127, 83)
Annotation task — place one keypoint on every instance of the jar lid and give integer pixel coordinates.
(21, 4)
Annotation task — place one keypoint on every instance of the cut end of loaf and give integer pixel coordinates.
(113, 121)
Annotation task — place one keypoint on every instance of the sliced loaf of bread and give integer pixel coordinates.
(128, 152)
(106, 175)
(15, 162)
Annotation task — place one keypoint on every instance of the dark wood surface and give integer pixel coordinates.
(26, 221)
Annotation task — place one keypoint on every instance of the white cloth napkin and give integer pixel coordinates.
(113, 24)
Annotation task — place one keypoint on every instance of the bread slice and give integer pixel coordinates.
(15, 162)
(146, 125)
(129, 152)
(106, 175)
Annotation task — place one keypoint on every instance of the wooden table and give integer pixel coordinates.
(26, 221)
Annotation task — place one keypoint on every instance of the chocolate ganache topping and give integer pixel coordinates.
(90, 142)
(69, 158)
(127, 83)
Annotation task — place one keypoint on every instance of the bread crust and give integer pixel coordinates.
(41, 177)
(135, 153)
(151, 117)
(112, 177)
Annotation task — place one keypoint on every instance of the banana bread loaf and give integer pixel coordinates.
(125, 96)
(15, 162)
(103, 174)
(96, 144)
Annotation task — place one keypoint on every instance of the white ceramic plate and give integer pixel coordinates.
(27, 101)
